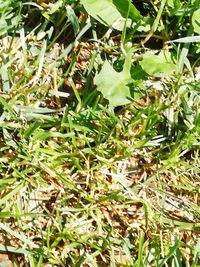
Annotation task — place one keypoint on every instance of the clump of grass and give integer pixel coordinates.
(84, 183)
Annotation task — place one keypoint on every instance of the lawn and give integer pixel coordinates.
(99, 133)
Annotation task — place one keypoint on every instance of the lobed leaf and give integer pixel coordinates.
(114, 85)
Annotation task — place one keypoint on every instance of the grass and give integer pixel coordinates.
(84, 182)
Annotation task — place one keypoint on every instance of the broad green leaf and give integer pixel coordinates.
(127, 9)
(156, 64)
(196, 21)
(111, 12)
(114, 85)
